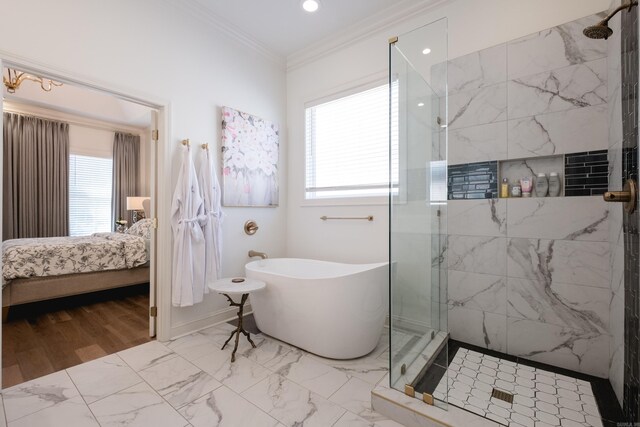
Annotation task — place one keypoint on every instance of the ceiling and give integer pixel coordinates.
(283, 27)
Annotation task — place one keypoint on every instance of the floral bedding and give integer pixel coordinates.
(54, 256)
(141, 228)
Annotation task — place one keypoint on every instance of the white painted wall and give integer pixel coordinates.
(472, 25)
(156, 48)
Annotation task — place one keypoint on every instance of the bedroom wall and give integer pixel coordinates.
(352, 59)
(167, 51)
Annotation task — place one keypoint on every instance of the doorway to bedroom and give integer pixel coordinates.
(78, 232)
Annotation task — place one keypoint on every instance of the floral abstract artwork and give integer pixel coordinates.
(250, 160)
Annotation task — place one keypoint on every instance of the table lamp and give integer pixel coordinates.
(135, 204)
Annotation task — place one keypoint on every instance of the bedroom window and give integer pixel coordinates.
(347, 146)
(90, 184)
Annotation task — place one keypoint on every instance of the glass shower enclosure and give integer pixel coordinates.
(418, 203)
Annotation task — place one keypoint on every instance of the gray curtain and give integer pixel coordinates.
(35, 177)
(126, 158)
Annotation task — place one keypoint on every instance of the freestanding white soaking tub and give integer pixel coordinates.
(330, 309)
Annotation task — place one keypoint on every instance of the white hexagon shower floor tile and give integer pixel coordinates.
(540, 398)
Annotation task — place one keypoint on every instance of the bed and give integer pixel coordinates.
(46, 268)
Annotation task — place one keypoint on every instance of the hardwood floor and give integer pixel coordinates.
(42, 338)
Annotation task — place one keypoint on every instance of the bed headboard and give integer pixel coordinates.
(146, 205)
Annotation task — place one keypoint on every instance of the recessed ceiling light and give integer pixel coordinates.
(420, 104)
(426, 51)
(310, 5)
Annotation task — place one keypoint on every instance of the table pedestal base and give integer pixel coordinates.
(239, 330)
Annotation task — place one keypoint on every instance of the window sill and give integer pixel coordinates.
(347, 201)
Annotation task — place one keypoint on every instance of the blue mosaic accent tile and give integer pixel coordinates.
(473, 181)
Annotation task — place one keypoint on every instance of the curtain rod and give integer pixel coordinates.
(11, 109)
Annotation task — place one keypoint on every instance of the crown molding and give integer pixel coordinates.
(361, 30)
(206, 15)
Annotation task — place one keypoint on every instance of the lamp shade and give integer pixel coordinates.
(135, 203)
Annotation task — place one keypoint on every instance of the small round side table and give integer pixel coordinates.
(237, 286)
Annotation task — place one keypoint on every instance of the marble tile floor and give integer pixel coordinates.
(541, 398)
(191, 382)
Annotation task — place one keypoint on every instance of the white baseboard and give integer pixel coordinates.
(216, 318)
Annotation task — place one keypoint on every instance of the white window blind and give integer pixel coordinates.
(90, 184)
(347, 146)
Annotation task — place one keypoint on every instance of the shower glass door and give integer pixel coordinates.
(418, 300)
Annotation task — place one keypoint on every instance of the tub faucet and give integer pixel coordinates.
(253, 253)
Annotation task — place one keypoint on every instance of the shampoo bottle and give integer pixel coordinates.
(542, 185)
(554, 184)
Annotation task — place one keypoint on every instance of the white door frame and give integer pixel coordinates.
(162, 181)
(1, 210)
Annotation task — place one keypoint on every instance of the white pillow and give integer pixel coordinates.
(141, 228)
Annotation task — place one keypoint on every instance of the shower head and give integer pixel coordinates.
(599, 31)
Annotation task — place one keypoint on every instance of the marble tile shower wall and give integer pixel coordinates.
(541, 95)
(530, 277)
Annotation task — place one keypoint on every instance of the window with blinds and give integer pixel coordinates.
(90, 184)
(347, 146)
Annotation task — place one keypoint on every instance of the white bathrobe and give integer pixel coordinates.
(211, 194)
(187, 217)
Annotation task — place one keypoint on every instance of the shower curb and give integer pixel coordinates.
(412, 412)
